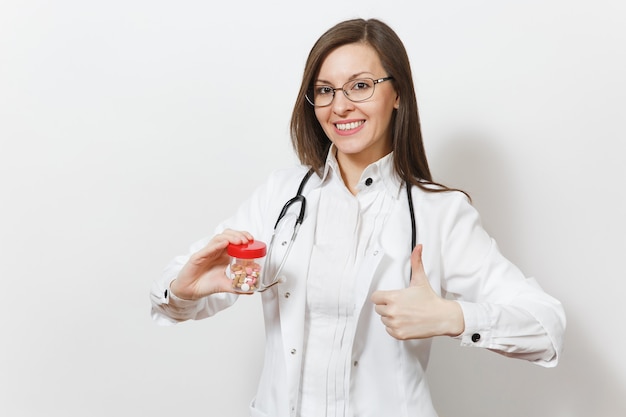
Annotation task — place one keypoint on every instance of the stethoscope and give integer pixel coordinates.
(299, 198)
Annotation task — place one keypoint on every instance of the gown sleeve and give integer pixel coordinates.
(504, 310)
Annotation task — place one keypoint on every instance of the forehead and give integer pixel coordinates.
(349, 61)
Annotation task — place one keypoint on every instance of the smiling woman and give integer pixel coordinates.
(359, 128)
(350, 325)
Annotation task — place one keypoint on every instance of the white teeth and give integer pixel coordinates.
(348, 126)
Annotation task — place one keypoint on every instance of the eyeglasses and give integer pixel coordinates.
(356, 91)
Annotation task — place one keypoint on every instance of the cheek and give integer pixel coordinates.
(382, 113)
(321, 114)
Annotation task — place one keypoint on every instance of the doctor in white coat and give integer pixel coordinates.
(385, 258)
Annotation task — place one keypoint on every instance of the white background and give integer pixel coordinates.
(128, 129)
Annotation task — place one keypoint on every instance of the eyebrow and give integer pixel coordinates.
(352, 77)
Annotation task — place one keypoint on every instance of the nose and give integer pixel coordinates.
(340, 103)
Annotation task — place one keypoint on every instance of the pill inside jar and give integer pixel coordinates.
(246, 265)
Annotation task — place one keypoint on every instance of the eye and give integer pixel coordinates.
(360, 85)
(323, 90)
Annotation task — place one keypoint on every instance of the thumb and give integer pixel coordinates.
(418, 276)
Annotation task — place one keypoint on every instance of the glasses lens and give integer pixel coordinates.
(359, 90)
(320, 95)
(356, 90)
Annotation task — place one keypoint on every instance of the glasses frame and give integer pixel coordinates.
(345, 92)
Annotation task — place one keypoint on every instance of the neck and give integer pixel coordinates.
(350, 174)
(352, 167)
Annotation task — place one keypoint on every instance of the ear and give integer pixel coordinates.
(396, 105)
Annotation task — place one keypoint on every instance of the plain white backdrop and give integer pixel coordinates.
(129, 129)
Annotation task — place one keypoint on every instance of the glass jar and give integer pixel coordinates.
(246, 264)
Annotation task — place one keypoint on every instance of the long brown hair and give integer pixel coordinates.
(309, 140)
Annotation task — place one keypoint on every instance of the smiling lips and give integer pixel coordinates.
(349, 127)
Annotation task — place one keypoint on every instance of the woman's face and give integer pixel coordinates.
(360, 131)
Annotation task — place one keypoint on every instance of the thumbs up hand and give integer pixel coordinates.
(418, 312)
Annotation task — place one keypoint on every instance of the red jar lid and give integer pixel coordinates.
(252, 250)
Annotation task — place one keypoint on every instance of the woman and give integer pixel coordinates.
(348, 332)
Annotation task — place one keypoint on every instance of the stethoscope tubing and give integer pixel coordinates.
(302, 200)
(299, 198)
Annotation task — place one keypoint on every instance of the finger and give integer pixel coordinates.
(220, 241)
(380, 309)
(418, 275)
(237, 237)
(382, 297)
(214, 248)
